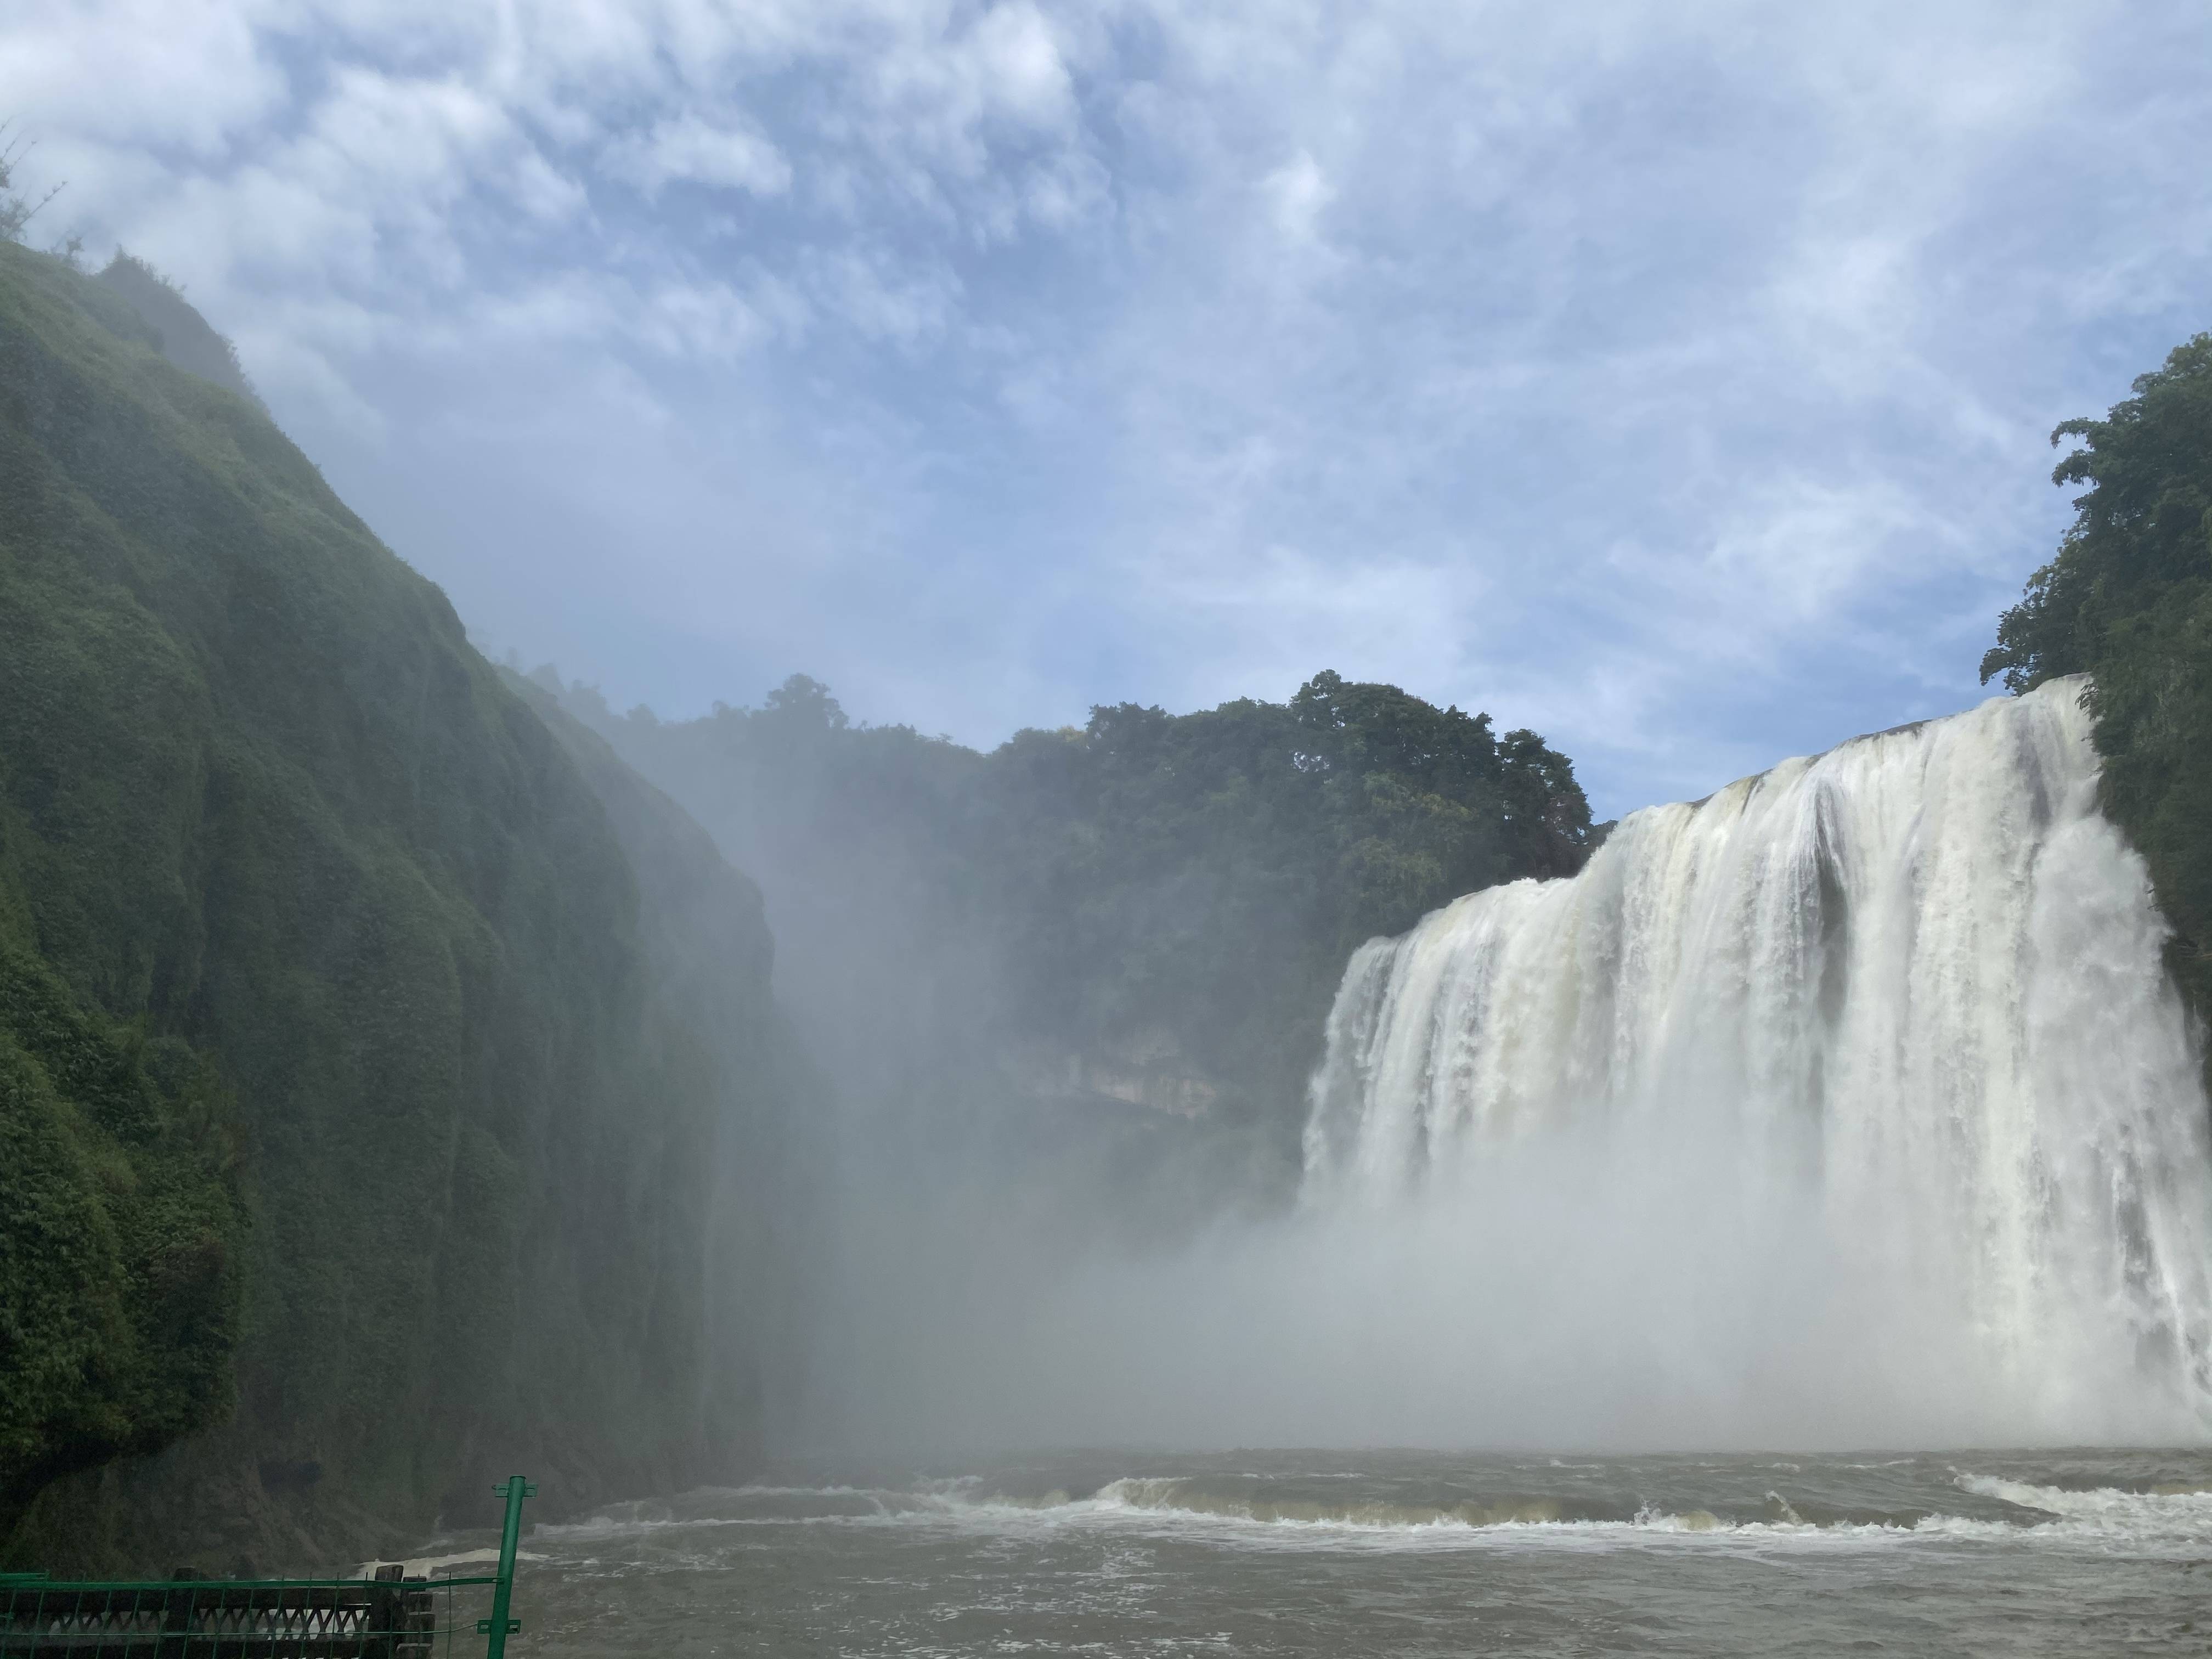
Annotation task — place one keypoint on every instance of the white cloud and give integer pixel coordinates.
(129, 72)
(1628, 369)
(1298, 191)
(699, 320)
(686, 149)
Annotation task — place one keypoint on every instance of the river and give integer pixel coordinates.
(1290, 1553)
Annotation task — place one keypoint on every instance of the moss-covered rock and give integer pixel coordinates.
(119, 1231)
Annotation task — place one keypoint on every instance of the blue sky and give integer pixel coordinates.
(1674, 379)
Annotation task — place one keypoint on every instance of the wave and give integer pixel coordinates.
(2009, 1508)
(2165, 1506)
(1183, 1496)
(1188, 1496)
(2133, 1500)
(2175, 1512)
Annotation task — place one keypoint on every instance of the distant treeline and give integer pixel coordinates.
(1156, 904)
(2128, 600)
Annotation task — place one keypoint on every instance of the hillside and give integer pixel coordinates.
(1153, 909)
(370, 1125)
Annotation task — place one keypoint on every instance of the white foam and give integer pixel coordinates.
(2181, 1511)
(2167, 1521)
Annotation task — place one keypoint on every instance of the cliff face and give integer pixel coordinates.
(342, 1054)
(709, 957)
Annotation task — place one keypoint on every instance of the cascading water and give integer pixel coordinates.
(1897, 1011)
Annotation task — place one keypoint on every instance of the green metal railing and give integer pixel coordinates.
(386, 1615)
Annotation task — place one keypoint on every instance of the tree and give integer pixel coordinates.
(2141, 531)
(17, 210)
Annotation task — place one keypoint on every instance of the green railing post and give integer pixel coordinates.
(499, 1626)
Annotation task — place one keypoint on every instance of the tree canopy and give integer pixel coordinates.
(2142, 538)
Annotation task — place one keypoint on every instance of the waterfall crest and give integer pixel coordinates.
(1900, 1005)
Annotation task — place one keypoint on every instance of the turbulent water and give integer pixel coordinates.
(1881, 1038)
(1252, 1553)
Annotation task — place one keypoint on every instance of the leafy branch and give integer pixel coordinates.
(16, 210)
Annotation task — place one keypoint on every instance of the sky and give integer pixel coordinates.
(1676, 380)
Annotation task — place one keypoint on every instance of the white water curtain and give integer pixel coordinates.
(1899, 1009)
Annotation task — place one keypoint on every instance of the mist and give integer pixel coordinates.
(1783, 1123)
(1584, 1295)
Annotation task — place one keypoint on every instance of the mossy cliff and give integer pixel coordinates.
(359, 1125)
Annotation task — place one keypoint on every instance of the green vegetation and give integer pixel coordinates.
(120, 1227)
(2128, 600)
(180, 333)
(343, 1068)
(1153, 908)
(17, 210)
(708, 954)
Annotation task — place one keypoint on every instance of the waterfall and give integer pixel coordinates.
(1899, 1008)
